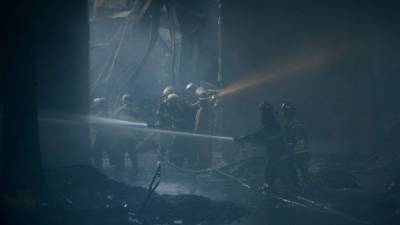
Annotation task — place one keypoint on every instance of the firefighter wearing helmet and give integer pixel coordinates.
(162, 114)
(204, 122)
(101, 143)
(296, 141)
(163, 120)
(270, 136)
(180, 153)
(125, 142)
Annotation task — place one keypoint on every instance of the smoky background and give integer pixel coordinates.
(347, 101)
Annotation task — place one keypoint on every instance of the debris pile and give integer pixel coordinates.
(79, 189)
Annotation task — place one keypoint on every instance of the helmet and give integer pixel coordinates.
(172, 98)
(126, 99)
(191, 87)
(99, 102)
(167, 91)
(99, 105)
(287, 107)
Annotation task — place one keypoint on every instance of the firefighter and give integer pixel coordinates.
(204, 125)
(180, 150)
(100, 138)
(270, 136)
(162, 114)
(163, 121)
(125, 143)
(296, 141)
(191, 101)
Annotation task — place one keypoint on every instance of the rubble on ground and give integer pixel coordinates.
(77, 189)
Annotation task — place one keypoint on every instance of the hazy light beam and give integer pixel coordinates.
(294, 67)
(129, 125)
(142, 126)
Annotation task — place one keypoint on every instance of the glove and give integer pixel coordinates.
(214, 101)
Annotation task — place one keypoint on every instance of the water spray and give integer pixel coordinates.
(291, 67)
(142, 126)
(96, 120)
(126, 125)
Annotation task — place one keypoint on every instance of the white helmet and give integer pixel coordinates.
(99, 101)
(126, 99)
(172, 98)
(191, 87)
(167, 91)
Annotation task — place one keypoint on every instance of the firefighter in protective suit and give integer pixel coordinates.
(179, 120)
(191, 100)
(162, 115)
(204, 125)
(296, 141)
(125, 143)
(163, 121)
(270, 136)
(100, 138)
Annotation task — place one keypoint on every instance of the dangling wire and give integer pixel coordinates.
(219, 115)
(155, 24)
(172, 31)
